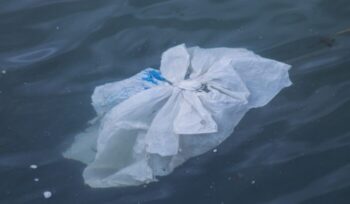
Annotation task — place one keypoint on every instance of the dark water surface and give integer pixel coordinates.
(294, 150)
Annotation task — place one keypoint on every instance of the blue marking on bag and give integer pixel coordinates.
(153, 76)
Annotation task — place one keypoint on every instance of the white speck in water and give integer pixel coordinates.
(3, 71)
(47, 194)
(33, 166)
(36, 179)
(57, 27)
(253, 182)
(215, 150)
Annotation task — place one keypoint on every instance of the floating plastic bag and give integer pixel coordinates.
(154, 121)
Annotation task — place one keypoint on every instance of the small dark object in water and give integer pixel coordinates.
(328, 41)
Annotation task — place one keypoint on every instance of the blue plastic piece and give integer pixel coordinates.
(157, 75)
(152, 76)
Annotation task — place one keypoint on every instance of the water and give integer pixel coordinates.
(294, 150)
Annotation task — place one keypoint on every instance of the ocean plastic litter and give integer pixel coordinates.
(33, 166)
(154, 121)
(47, 194)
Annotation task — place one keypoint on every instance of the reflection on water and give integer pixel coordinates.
(294, 150)
(34, 56)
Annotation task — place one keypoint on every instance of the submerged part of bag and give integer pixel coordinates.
(154, 121)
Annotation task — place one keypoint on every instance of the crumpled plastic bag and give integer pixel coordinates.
(154, 121)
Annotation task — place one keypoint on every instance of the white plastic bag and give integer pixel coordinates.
(154, 121)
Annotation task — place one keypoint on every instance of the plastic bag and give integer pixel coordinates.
(154, 121)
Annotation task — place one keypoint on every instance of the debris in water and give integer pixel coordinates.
(36, 179)
(33, 166)
(3, 71)
(346, 31)
(47, 194)
(181, 113)
(253, 182)
(328, 41)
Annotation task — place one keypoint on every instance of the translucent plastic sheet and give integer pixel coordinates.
(154, 121)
